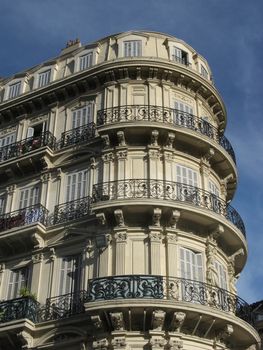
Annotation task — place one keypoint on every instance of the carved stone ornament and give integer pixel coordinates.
(122, 154)
(52, 256)
(157, 342)
(118, 342)
(175, 344)
(225, 333)
(154, 138)
(170, 139)
(121, 237)
(2, 267)
(101, 219)
(171, 238)
(211, 271)
(96, 321)
(8, 131)
(45, 177)
(106, 140)
(100, 344)
(154, 154)
(37, 240)
(118, 213)
(108, 157)
(117, 321)
(157, 213)
(215, 234)
(121, 138)
(158, 318)
(155, 236)
(92, 162)
(178, 320)
(26, 340)
(11, 189)
(175, 218)
(37, 258)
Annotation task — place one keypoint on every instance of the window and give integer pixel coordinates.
(18, 279)
(77, 185)
(204, 72)
(29, 197)
(213, 188)
(82, 116)
(44, 78)
(14, 90)
(132, 48)
(7, 140)
(191, 265)
(179, 55)
(187, 190)
(183, 115)
(186, 175)
(85, 61)
(215, 201)
(6, 147)
(69, 279)
(221, 273)
(2, 205)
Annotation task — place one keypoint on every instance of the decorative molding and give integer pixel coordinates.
(215, 234)
(157, 213)
(211, 271)
(93, 162)
(155, 236)
(122, 155)
(100, 344)
(171, 238)
(45, 177)
(52, 256)
(170, 139)
(154, 154)
(101, 219)
(175, 344)
(38, 119)
(178, 320)
(37, 258)
(121, 138)
(11, 189)
(106, 140)
(225, 333)
(117, 321)
(118, 213)
(8, 131)
(158, 317)
(118, 342)
(157, 342)
(108, 157)
(37, 240)
(26, 340)
(154, 138)
(175, 218)
(121, 237)
(96, 321)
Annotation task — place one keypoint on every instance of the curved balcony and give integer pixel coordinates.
(166, 190)
(20, 148)
(23, 217)
(168, 288)
(149, 113)
(77, 136)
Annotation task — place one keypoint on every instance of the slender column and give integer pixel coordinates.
(37, 261)
(2, 271)
(10, 193)
(121, 156)
(45, 186)
(155, 237)
(171, 252)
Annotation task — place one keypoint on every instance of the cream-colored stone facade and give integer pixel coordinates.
(116, 229)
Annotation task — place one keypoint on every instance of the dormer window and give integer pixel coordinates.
(204, 72)
(44, 78)
(14, 90)
(132, 48)
(179, 56)
(85, 61)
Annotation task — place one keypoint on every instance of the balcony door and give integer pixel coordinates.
(77, 185)
(69, 279)
(18, 279)
(183, 115)
(82, 116)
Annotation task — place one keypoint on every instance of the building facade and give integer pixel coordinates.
(116, 229)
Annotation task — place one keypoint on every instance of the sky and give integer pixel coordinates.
(228, 33)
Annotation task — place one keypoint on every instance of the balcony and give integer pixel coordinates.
(19, 308)
(30, 144)
(23, 217)
(166, 190)
(168, 288)
(71, 210)
(169, 116)
(82, 134)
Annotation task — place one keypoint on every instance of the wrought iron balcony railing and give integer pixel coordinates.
(71, 210)
(23, 217)
(166, 190)
(19, 308)
(169, 288)
(122, 114)
(63, 306)
(77, 136)
(29, 144)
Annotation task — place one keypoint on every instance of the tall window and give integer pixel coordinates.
(222, 277)
(213, 188)
(82, 116)
(191, 265)
(132, 48)
(29, 197)
(18, 279)
(85, 61)
(186, 175)
(7, 140)
(69, 279)
(183, 115)
(44, 78)
(204, 72)
(179, 55)
(14, 90)
(77, 185)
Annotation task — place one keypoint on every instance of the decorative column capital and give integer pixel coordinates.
(121, 237)
(157, 342)
(117, 321)
(108, 157)
(155, 236)
(37, 258)
(157, 213)
(96, 321)
(122, 155)
(118, 342)
(101, 344)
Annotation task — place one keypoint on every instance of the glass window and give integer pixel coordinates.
(204, 72)
(14, 90)
(85, 61)
(132, 48)
(69, 280)
(213, 188)
(18, 279)
(186, 175)
(77, 185)
(179, 55)
(221, 273)
(82, 116)
(44, 78)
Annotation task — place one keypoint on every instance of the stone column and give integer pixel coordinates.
(37, 261)
(155, 238)
(171, 252)
(45, 185)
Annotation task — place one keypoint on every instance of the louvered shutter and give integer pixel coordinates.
(17, 280)
(69, 280)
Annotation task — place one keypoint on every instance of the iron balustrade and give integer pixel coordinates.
(78, 135)
(72, 210)
(168, 288)
(25, 216)
(17, 149)
(19, 308)
(165, 115)
(166, 190)
(63, 306)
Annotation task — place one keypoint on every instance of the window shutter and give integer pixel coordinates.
(191, 265)
(186, 175)
(69, 280)
(76, 185)
(17, 280)
(2, 205)
(222, 277)
(30, 132)
(7, 140)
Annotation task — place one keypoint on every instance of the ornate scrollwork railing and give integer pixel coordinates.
(165, 115)
(169, 288)
(76, 136)
(63, 306)
(19, 308)
(71, 210)
(17, 149)
(22, 217)
(166, 190)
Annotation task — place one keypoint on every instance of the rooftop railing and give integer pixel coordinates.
(23, 217)
(139, 113)
(166, 190)
(17, 149)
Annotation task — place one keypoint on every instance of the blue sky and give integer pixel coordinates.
(228, 33)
